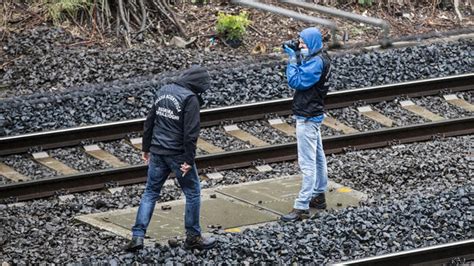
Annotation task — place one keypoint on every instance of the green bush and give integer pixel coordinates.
(232, 27)
(366, 2)
(58, 8)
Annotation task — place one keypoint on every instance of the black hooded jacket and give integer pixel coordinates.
(173, 124)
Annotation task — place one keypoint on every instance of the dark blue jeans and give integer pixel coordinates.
(159, 167)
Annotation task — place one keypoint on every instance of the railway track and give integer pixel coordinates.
(216, 116)
(437, 255)
(123, 174)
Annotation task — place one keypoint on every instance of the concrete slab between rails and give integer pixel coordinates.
(230, 208)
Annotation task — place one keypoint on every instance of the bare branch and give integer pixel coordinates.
(122, 15)
(144, 15)
(176, 21)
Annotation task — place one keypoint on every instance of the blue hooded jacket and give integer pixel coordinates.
(305, 75)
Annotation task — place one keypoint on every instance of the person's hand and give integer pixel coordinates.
(185, 168)
(146, 157)
(291, 53)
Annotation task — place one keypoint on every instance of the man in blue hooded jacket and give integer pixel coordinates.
(169, 145)
(308, 76)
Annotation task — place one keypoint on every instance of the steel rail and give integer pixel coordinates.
(427, 256)
(242, 158)
(238, 113)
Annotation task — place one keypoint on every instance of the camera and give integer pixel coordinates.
(292, 44)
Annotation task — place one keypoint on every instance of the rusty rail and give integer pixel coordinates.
(434, 255)
(245, 112)
(242, 158)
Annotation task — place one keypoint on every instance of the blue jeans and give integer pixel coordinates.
(312, 162)
(160, 166)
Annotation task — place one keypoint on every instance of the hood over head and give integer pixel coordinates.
(313, 39)
(195, 79)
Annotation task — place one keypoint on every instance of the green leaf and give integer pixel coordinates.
(58, 8)
(232, 27)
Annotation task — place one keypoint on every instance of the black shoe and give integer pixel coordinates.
(135, 244)
(295, 215)
(199, 242)
(318, 202)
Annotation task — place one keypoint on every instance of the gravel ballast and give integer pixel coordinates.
(49, 60)
(216, 135)
(420, 195)
(233, 82)
(76, 158)
(59, 63)
(21, 122)
(26, 166)
(124, 151)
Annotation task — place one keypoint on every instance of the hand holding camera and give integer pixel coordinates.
(292, 44)
(291, 47)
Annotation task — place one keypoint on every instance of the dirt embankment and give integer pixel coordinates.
(198, 22)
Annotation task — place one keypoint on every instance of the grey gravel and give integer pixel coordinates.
(351, 117)
(261, 129)
(45, 59)
(217, 136)
(420, 194)
(4, 180)
(372, 229)
(124, 151)
(423, 204)
(27, 167)
(399, 115)
(401, 169)
(233, 83)
(264, 131)
(441, 107)
(76, 158)
(237, 176)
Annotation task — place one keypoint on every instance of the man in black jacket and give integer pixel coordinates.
(169, 145)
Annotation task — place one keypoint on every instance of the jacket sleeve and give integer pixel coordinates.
(191, 129)
(148, 129)
(304, 76)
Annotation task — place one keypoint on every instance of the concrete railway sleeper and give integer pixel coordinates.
(217, 116)
(349, 114)
(237, 136)
(236, 159)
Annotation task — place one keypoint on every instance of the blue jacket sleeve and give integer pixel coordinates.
(304, 76)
